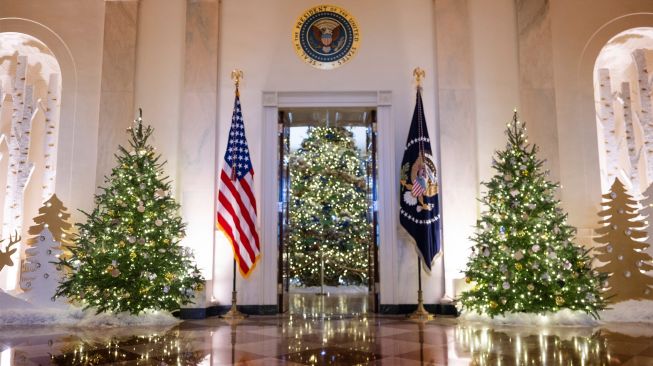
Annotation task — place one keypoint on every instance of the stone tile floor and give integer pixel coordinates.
(335, 340)
(331, 330)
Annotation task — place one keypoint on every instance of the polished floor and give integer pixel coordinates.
(331, 339)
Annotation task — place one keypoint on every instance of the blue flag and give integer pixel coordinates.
(420, 208)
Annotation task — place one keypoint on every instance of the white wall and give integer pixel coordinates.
(255, 36)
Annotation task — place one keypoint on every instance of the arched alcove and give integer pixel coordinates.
(30, 97)
(624, 108)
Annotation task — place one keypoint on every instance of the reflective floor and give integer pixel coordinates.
(329, 340)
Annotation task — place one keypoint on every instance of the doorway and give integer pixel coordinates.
(327, 205)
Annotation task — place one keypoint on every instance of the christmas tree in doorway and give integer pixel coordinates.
(127, 256)
(328, 210)
(524, 259)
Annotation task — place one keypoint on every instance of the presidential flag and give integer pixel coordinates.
(420, 207)
(236, 203)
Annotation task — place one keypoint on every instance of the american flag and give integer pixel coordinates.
(236, 202)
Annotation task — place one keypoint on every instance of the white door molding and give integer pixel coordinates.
(382, 101)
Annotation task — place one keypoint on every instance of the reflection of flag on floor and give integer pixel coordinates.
(236, 202)
(420, 208)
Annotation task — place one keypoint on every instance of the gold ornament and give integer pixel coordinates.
(200, 287)
(132, 255)
(169, 276)
(580, 264)
(493, 304)
(518, 266)
(468, 280)
(530, 287)
(121, 244)
(559, 300)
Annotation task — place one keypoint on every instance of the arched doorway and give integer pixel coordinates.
(624, 109)
(30, 95)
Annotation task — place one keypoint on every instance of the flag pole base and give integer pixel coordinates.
(420, 313)
(233, 313)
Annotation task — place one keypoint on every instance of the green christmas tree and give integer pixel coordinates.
(127, 255)
(328, 208)
(524, 259)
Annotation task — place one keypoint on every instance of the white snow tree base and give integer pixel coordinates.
(632, 311)
(563, 317)
(15, 311)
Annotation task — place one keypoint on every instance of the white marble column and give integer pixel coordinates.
(536, 80)
(197, 139)
(117, 87)
(457, 121)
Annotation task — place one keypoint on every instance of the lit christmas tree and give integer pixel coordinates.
(328, 208)
(127, 255)
(524, 259)
(622, 252)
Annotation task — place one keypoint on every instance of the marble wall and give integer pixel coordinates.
(457, 135)
(117, 86)
(481, 58)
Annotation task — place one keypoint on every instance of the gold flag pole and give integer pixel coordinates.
(233, 313)
(420, 313)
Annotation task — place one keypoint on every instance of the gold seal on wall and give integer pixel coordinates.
(326, 36)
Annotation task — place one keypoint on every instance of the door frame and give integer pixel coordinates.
(386, 175)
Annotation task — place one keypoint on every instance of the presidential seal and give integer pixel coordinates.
(326, 36)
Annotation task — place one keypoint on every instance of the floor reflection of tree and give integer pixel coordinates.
(572, 346)
(171, 347)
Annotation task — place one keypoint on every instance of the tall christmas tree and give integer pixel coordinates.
(328, 208)
(40, 276)
(127, 255)
(524, 259)
(622, 251)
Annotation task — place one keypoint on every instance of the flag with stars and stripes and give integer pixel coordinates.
(236, 203)
(420, 209)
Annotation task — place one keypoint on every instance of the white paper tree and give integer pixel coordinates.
(646, 213)
(40, 276)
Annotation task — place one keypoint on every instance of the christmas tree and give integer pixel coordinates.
(328, 208)
(127, 255)
(524, 258)
(623, 252)
(40, 276)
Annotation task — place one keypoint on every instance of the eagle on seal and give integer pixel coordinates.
(327, 31)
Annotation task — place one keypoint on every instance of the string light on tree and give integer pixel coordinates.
(524, 259)
(123, 260)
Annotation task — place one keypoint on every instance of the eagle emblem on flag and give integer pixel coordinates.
(423, 181)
